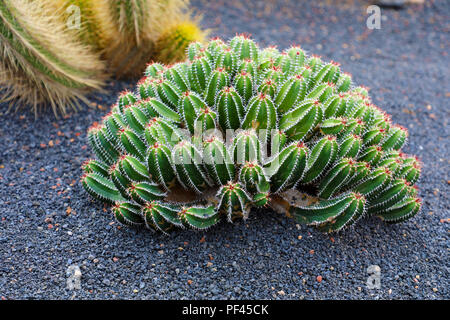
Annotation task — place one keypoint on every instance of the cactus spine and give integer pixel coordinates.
(269, 122)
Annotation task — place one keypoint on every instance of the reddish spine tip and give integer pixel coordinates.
(300, 145)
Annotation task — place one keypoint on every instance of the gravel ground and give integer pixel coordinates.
(48, 223)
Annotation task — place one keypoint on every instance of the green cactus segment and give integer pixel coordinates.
(327, 73)
(362, 170)
(396, 191)
(132, 143)
(155, 107)
(243, 82)
(206, 120)
(411, 169)
(323, 211)
(395, 138)
(214, 46)
(90, 166)
(246, 147)
(113, 122)
(334, 106)
(344, 83)
(349, 146)
(234, 201)
(268, 55)
(103, 145)
(126, 99)
(351, 214)
(301, 120)
(393, 165)
(287, 168)
(101, 188)
(199, 72)
(374, 181)
(321, 92)
(248, 68)
(168, 92)
(244, 47)
(235, 127)
(314, 63)
(199, 218)
(372, 155)
(342, 171)
(226, 59)
(262, 195)
(189, 106)
(153, 69)
(268, 86)
(297, 56)
(195, 49)
(160, 217)
(333, 126)
(276, 75)
(291, 92)
(230, 108)
(133, 169)
(142, 86)
(218, 161)
(284, 62)
(219, 79)
(323, 154)
(160, 130)
(160, 166)
(188, 167)
(402, 210)
(143, 192)
(136, 118)
(373, 136)
(362, 91)
(261, 114)
(251, 175)
(120, 180)
(178, 75)
(128, 214)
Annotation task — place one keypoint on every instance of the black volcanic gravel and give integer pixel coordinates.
(48, 222)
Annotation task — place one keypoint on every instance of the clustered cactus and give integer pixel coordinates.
(44, 60)
(235, 126)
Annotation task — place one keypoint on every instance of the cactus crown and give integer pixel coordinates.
(236, 126)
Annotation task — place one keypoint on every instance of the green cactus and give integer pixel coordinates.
(234, 127)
